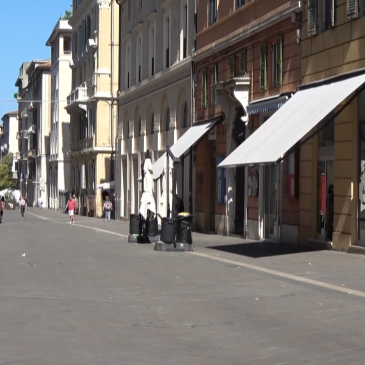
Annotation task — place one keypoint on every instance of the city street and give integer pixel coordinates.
(82, 294)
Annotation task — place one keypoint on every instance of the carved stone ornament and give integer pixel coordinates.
(103, 4)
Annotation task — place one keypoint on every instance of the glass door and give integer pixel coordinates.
(271, 202)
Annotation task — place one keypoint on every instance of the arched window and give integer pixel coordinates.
(152, 124)
(168, 119)
(185, 116)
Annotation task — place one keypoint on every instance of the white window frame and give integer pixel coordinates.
(152, 48)
(166, 36)
(184, 26)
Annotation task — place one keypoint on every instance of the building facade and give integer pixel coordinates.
(333, 51)
(8, 139)
(59, 139)
(247, 66)
(22, 97)
(37, 130)
(92, 103)
(155, 98)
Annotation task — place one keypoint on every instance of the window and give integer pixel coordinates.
(214, 81)
(66, 44)
(277, 62)
(312, 17)
(232, 67)
(243, 62)
(204, 96)
(220, 183)
(185, 116)
(139, 58)
(212, 12)
(239, 3)
(352, 9)
(168, 119)
(166, 39)
(152, 50)
(329, 14)
(152, 124)
(183, 31)
(263, 67)
(127, 66)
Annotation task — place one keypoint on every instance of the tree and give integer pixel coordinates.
(6, 179)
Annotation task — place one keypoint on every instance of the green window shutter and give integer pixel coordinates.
(243, 62)
(263, 67)
(312, 17)
(279, 62)
(232, 66)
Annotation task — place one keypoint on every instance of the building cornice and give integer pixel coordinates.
(246, 31)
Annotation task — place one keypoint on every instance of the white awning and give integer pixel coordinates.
(297, 117)
(187, 140)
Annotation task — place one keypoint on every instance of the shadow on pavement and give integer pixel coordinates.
(263, 249)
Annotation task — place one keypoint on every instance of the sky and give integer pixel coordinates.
(25, 27)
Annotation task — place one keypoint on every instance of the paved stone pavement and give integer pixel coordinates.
(83, 295)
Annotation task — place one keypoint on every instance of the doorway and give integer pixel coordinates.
(271, 202)
(325, 208)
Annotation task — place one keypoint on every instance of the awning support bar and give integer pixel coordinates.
(301, 143)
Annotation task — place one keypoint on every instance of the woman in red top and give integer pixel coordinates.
(71, 209)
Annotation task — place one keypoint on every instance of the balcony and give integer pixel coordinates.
(77, 97)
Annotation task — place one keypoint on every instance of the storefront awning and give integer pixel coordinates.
(182, 145)
(267, 104)
(291, 123)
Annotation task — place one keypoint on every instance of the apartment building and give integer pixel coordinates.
(38, 129)
(247, 67)
(92, 103)
(22, 97)
(332, 157)
(8, 139)
(155, 98)
(34, 95)
(59, 139)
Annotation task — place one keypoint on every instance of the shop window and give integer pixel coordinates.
(292, 174)
(220, 183)
(361, 167)
(326, 135)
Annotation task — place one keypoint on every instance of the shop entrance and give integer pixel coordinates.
(325, 200)
(271, 201)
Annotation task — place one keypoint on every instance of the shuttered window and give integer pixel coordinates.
(263, 67)
(329, 14)
(312, 17)
(204, 88)
(279, 62)
(239, 3)
(232, 67)
(352, 8)
(212, 11)
(214, 81)
(243, 62)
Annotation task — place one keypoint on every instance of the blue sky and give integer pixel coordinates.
(25, 27)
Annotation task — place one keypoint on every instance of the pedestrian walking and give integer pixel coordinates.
(22, 205)
(71, 204)
(2, 205)
(108, 207)
(40, 202)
